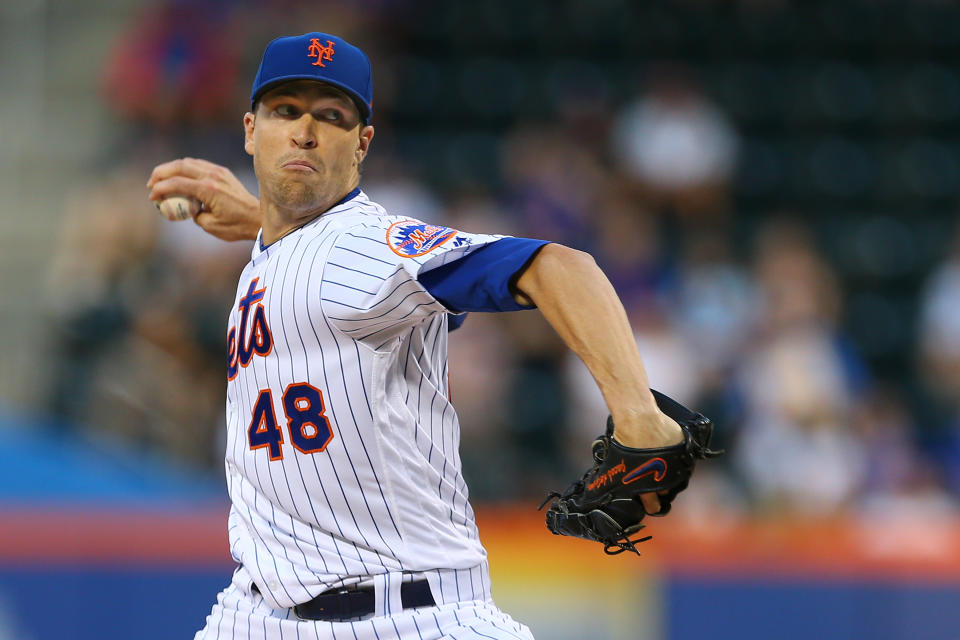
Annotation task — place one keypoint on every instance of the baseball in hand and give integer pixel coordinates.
(179, 207)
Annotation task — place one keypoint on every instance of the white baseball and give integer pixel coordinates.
(179, 207)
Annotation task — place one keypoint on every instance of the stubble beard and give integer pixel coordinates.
(297, 196)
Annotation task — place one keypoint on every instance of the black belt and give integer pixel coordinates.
(345, 604)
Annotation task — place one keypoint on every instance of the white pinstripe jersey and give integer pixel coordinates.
(342, 449)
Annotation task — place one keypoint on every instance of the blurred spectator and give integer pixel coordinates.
(99, 268)
(799, 384)
(676, 144)
(139, 306)
(554, 186)
(177, 63)
(583, 107)
(940, 329)
(717, 306)
(630, 251)
(479, 362)
(897, 479)
(178, 347)
(537, 405)
(940, 364)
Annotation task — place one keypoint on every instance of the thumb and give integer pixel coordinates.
(651, 502)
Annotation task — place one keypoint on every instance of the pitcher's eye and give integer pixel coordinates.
(331, 115)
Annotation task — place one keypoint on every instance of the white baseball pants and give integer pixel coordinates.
(242, 614)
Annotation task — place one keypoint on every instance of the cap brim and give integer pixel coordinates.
(362, 106)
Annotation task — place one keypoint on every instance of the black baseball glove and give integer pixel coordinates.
(604, 505)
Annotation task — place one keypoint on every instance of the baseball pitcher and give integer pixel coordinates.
(350, 517)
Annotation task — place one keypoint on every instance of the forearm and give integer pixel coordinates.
(579, 302)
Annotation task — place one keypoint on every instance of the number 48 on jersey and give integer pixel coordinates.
(309, 428)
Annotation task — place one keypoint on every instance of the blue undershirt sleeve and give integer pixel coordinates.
(483, 279)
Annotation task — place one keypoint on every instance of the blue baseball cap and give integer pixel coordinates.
(317, 56)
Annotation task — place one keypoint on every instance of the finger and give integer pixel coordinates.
(204, 220)
(208, 219)
(165, 170)
(651, 502)
(189, 167)
(180, 185)
(160, 172)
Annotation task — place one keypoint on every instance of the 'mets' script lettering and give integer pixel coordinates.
(251, 337)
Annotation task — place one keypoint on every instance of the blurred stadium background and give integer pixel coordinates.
(772, 186)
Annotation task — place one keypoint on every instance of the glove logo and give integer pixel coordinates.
(320, 52)
(411, 238)
(656, 466)
(608, 476)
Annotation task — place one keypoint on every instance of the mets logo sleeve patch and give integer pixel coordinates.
(412, 239)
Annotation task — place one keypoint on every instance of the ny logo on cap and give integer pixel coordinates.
(320, 52)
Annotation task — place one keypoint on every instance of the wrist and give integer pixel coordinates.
(646, 429)
(634, 407)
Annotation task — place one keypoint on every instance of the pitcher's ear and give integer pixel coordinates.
(248, 124)
(363, 146)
